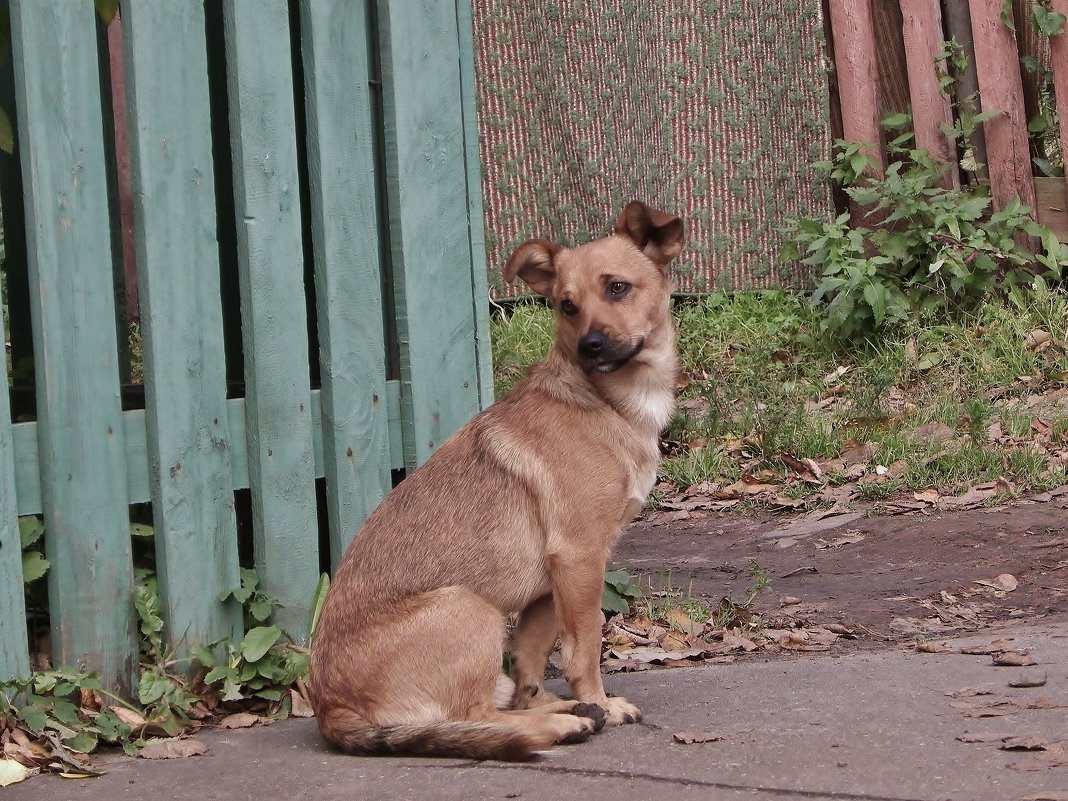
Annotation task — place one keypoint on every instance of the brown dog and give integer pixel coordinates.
(516, 512)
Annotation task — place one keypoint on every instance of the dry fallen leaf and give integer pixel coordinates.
(1024, 681)
(172, 748)
(242, 720)
(688, 737)
(931, 648)
(1047, 795)
(678, 619)
(301, 707)
(980, 737)
(1006, 582)
(13, 771)
(969, 692)
(1013, 659)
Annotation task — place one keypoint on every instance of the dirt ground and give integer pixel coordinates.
(886, 578)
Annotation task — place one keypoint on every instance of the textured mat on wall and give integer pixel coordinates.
(711, 109)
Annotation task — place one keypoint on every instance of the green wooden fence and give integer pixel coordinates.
(396, 283)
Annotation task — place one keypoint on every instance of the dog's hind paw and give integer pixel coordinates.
(593, 712)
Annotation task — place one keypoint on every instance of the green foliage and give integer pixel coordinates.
(930, 252)
(1048, 21)
(70, 710)
(257, 604)
(619, 592)
(34, 564)
(50, 704)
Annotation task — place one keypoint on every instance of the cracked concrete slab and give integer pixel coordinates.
(871, 726)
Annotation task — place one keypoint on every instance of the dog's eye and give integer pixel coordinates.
(568, 308)
(618, 288)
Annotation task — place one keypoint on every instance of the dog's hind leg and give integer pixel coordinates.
(532, 642)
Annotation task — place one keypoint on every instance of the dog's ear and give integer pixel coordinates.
(656, 234)
(533, 262)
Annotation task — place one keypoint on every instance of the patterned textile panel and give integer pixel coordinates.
(713, 109)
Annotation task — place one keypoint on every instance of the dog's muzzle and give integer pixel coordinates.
(597, 352)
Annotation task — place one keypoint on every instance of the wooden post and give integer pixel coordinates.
(83, 465)
(1059, 47)
(185, 366)
(274, 321)
(858, 74)
(966, 89)
(429, 182)
(14, 648)
(1000, 88)
(922, 33)
(348, 268)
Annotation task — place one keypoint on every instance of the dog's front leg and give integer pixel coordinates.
(533, 641)
(577, 595)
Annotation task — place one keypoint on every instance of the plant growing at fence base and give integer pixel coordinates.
(929, 253)
(69, 711)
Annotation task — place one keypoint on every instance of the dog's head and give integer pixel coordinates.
(610, 295)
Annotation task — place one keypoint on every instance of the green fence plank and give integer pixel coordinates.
(79, 416)
(14, 648)
(181, 320)
(348, 280)
(273, 315)
(426, 154)
(475, 216)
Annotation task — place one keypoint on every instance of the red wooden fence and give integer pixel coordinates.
(996, 66)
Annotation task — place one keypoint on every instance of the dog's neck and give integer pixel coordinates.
(642, 391)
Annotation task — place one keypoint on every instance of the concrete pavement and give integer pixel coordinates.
(871, 726)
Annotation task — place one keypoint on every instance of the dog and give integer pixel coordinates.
(517, 512)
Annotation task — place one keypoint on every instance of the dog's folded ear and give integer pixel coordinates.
(656, 234)
(533, 262)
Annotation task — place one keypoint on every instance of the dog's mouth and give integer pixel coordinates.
(611, 358)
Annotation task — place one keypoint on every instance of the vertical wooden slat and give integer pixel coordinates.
(475, 216)
(922, 33)
(426, 171)
(1000, 88)
(1059, 48)
(79, 420)
(348, 269)
(857, 73)
(14, 648)
(273, 315)
(185, 366)
(958, 22)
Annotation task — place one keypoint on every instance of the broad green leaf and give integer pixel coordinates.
(1006, 15)
(1049, 22)
(318, 602)
(35, 718)
(30, 530)
(142, 530)
(152, 687)
(929, 360)
(258, 641)
(875, 295)
(612, 601)
(34, 565)
(260, 608)
(83, 742)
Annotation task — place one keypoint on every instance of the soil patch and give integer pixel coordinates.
(889, 579)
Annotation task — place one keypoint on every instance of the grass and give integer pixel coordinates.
(763, 382)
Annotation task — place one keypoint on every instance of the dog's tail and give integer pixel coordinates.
(455, 738)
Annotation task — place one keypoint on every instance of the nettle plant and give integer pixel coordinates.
(920, 250)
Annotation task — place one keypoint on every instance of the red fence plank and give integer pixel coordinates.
(858, 74)
(922, 32)
(1000, 88)
(1059, 48)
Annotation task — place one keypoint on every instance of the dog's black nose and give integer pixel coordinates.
(592, 344)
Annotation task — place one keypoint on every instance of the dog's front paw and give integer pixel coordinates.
(619, 711)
